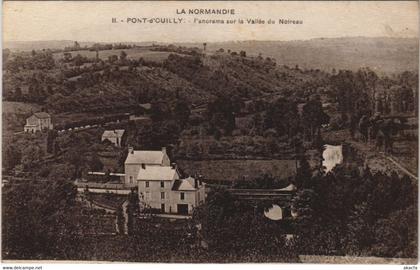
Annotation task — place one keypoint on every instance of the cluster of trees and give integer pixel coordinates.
(106, 46)
(176, 49)
(348, 212)
(364, 93)
(94, 120)
(238, 230)
(97, 47)
(156, 135)
(262, 182)
(281, 115)
(41, 60)
(221, 113)
(24, 153)
(340, 213)
(38, 221)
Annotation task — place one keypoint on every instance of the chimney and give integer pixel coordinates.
(164, 150)
(130, 150)
(195, 183)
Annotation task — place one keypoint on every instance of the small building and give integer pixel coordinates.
(161, 188)
(114, 136)
(186, 194)
(38, 122)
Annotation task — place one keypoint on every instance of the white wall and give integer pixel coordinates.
(131, 170)
(154, 190)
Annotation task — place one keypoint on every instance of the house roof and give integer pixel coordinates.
(42, 115)
(145, 157)
(184, 184)
(157, 173)
(113, 133)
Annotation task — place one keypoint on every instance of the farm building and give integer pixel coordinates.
(38, 122)
(114, 136)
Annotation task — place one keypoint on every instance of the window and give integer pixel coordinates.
(162, 195)
(182, 196)
(147, 183)
(162, 184)
(131, 179)
(162, 207)
(148, 197)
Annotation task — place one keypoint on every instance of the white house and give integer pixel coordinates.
(114, 136)
(38, 122)
(159, 184)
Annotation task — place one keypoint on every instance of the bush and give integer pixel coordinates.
(337, 122)
(196, 119)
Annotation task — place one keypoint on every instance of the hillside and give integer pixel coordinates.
(383, 55)
(51, 44)
(82, 82)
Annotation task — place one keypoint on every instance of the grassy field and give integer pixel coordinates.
(134, 53)
(19, 107)
(238, 169)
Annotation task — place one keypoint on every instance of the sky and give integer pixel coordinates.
(91, 21)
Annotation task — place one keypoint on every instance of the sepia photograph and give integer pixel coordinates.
(210, 132)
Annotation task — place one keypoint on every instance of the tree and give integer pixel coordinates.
(313, 116)
(182, 112)
(396, 236)
(50, 230)
(95, 163)
(76, 157)
(18, 93)
(304, 174)
(133, 210)
(159, 111)
(283, 116)
(11, 157)
(31, 157)
(51, 136)
(120, 220)
(56, 148)
(221, 112)
(67, 57)
(360, 231)
(123, 56)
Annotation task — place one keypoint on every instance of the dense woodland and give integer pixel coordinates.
(225, 104)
